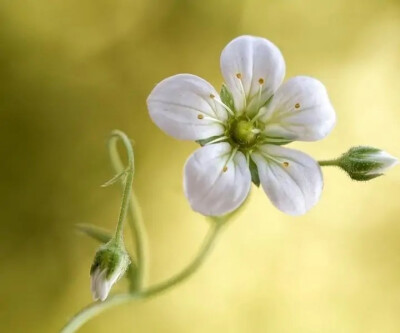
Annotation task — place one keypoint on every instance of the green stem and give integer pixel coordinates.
(115, 136)
(135, 214)
(96, 308)
(328, 163)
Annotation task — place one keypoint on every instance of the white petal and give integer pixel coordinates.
(253, 58)
(102, 286)
(299, 110)
(105, 291)
(94, 277)
(388, 161)
(97, 282)
(183, 106)
(115, 276)
(211, 190)
(291, 179)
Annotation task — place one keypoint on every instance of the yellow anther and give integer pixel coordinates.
(285, 164)
(212, 96)
(200, 116)
(261, 81)
(225, 169)
(297, 105)
(239, 76)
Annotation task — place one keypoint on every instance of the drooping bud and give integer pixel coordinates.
(109, 265)
(364, 163)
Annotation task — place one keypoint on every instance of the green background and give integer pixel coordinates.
(71, 71)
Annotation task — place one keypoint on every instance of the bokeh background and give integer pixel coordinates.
(71, 71)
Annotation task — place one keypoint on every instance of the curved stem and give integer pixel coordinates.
(92, 310)
(135, 214)
(96, 308)
(115, 135)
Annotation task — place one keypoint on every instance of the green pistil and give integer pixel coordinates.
(244, 133)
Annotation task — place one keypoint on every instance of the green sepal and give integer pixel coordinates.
(364, 178)
(103, 236)
(362, 151)
(358, 164)
(106, 258)
(109, 257)
(226, 97)
(255, 178)
(203, 142)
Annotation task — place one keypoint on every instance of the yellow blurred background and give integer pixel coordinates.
(71, 71)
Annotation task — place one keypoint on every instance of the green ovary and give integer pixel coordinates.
(243, 133)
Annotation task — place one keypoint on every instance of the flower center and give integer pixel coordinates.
(244, 133)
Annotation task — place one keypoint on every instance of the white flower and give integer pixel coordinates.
(244, 128)
(109, 265)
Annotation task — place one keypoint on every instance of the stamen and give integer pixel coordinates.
(277, 160)
(261, 81)
(239, 76)
(213, 119)
(200, 116)
(258, 115)
(297, 105)
(222, 138)
(226, 107)
(232, 155)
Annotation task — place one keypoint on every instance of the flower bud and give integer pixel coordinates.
(110, 264)
(364, 163)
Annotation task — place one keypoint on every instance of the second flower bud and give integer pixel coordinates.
(110, 264)
(364, 163)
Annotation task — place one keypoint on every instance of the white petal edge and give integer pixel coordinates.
(388, 161)
(299, 110)
(210, 190)
(101, 286)
(94, 278)
(184, 107)
(252, 58)
(291, 179)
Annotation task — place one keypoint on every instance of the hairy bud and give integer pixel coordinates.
(364, 163)
(110, 264)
